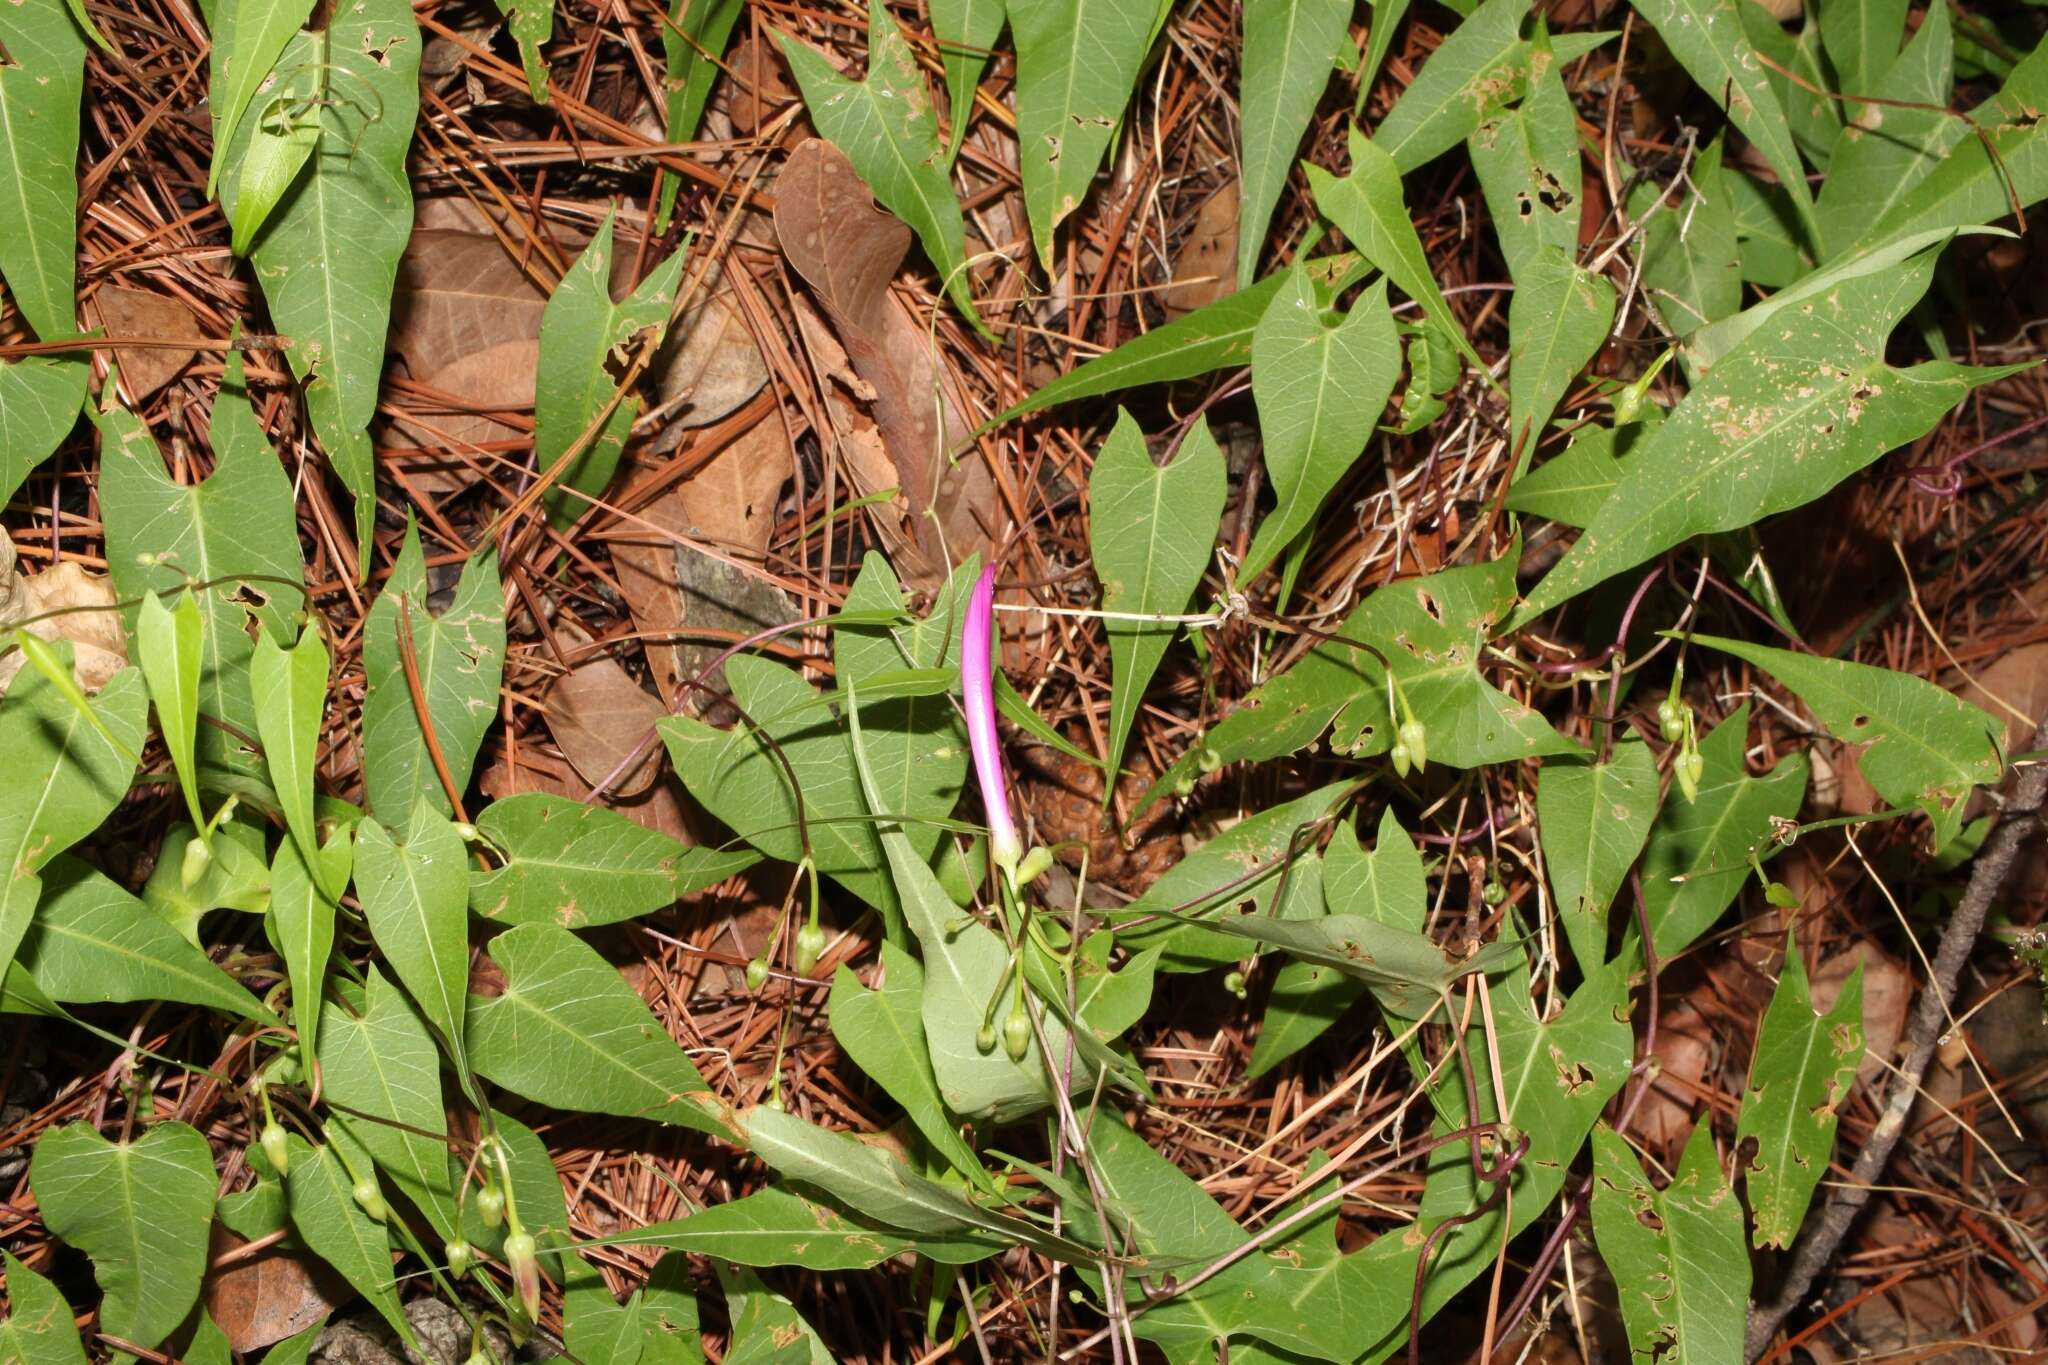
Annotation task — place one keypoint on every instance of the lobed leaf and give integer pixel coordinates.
(1594, 819)
(1289, 49)
(414, 888)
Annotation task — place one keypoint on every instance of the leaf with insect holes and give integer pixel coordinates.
(1290, 47)
(1676, 1253)
(767, 1329)
(1527, 161)
(378, 1061)
(886, 127)
(75, 774)
(881, 1187)
(248, 38)
(582, 334)
(1804, 1066)
(1926, 747)
(1707, 38)
(774, 1226)
(1077, 64)
(327, 259)
(1799, 404)
(1484, 66)
(1890, 148)
(336, 1228)
(236, 531)
(167, 645)
(568, 1032)
(1385, 885)
(916, 740)
(1215, 337)
(303, 902)
(1368, 206)
(1697, 857)
(881, 1029)
(1558, 319)
(38, 1329)
(1150, 528)
(414, 887)
(1970, 185)
(966, 31)
(1321, 384)
(531, 23)
(693, 39)
(40, 398)
(92, 943)
(1691, 262)
(42, 76)
(1594, 818)
(140, 1210)
(289, 690)
(579, 866)
(460, 657)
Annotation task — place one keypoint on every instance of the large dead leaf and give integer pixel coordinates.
(848, 251)
(599, 715)
(124, 312)
(730, 503)
(269, 1296)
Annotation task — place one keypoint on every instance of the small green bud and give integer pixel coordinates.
(461, 1256)
(490, 1205)
(272, 1140)
(1781, 895)
(1234, 983)
(1017, 1033)
(1493, 893)
(1184, 788)
(519, 1254)
(371, 1199)
(1207, 759)
(195, 862)
(477, 1354)
(985, 1038)
(466, 832)
(1687, 768)
(1671, 717)
(1417, 739)
(757, 974)
(1034, 865)
(810, 943)
(1400, 758)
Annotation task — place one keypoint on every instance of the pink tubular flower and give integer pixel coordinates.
(977, 687)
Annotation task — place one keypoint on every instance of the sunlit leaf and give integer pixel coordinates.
(1289, 48)
(414, 886)
(167, 646)
(248, 38)
(883, 1031)
(40, 398)
(1691, 264)
(289, 690)
(1676, 1253)
(328, 1219)
(1558, 320)
(303, 902)
(1594, 819)
(379, 1064)
(1890, 148)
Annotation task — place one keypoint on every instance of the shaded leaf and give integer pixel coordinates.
(773, 1226)
(1320, 386)
(248, 38)
(1289, 48)
(1594, 818)
(578, 865)
(1527, 160)
(140, 1210)
(1150, 528)
(1890, 148)
(1691, 263)
(967, 31)
(41, 81)
(40, 397)
(1558, 319)
(1569, 487)
(167, 645)
(766, 1328)
(568, 1032)
(289, 691)
(883, 1031)
(414, 889)
(692, 41)
(38, 1329)
(531, 23)
(377, 1060)
(303, 901)
(327, 1218)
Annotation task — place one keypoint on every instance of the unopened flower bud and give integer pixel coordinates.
(1398, 755)
(985, 1038)
(1207, 759)
(525, 1271)
(1417, 739)
(371, 1199)
(1034, 865)
(466, 832)
(461, 1256)
(490, 1205)
(1017, 1033)
(1234, 983)
(272, 1141)
(194, 864)
(1493, 893)
(810, 943)
(757, 974)
(1687, 768)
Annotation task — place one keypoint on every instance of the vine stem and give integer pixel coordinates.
(1824, 1234)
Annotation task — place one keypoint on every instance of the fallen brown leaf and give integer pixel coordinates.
(598, 715)
(1205, 269)
(2018, 680)
(756, 85)
(1887, 996)
(88, 621)
(140, 313)
(271, 1295)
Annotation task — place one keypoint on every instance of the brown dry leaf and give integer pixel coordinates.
(1887, 996)
(125, 312)
(272, 1295)
(89, 622)
(598, 714)
(1206, 267)
(848, 251)
(757, 88)
(459, 293)
(709, 365)
(660, 807)
(2018, 680)
(729, 503)
(1685, 1053)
